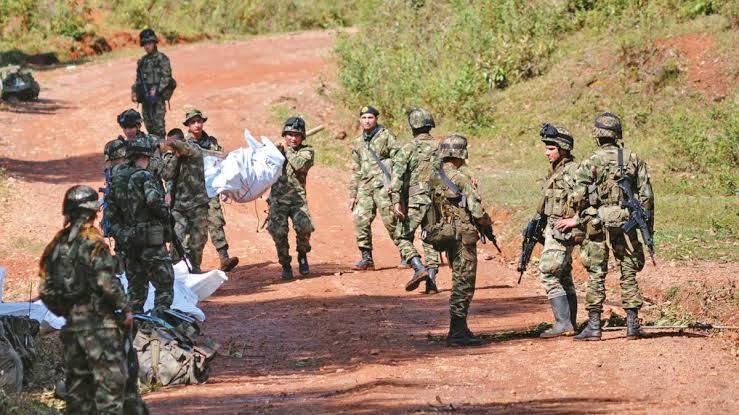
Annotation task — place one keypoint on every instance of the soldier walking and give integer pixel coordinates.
(154, 84)
(194, 121)
(372, 154)
(78, 283)
(557, 203)
(287, 198)
(414, 166)
(140, 224)
(600, 204)
(184, 177)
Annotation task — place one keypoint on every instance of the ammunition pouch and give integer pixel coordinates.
(613, 216)
(149, 234)
(418, 189)
(441, 236)
(570, 237)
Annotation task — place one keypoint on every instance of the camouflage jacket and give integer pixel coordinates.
(206, 142)
(86, 265)
(290, 186)
(558, 190)
(183, 173)
(366, 174)
(596, 177)
(464, 183)
(156, 72)
(414, 165)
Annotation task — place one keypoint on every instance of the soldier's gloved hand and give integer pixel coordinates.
(398, 211)
(565, 223)
(485, 220)
(128, 320)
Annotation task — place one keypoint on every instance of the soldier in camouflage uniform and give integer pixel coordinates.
(194, 121)
(140, 224)
(414, 165)
(462, 206)
(555, 264)
(599, 203)
(78, 283)
(153, 84)
(184, 176)
(287, 198)
(372, 154)
(115, 150)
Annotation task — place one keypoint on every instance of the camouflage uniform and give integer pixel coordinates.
(155, 72)
(600, 205)
(140, 223)
(95, 364)
(184, 175)
(368, 188)
(287, 199)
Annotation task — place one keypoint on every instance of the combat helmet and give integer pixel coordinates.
(295, 125)
(78, 199)
(420, 118)
(607, 125)
(557, 136)
(138, 147)
(129, 118)
(147, 35)
(115, 150)
(454, 146)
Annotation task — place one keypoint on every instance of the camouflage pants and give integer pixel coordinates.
(368, 202)
(96, 371)
(555, 266)
(463, 260)
(154, 117)
(132, 403)
(406, 232)
(279, 213)
(216, 222)
(594, 254)
(191, 228)
(149, 264)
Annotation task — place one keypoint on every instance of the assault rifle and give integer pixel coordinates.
(177, 245)
(142, 90)
(486, 233)
(532, 233)
(638, 216)
(105, 221)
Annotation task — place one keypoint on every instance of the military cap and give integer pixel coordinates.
(557, 136)
(192, 114)
(420, 118)
(454, 146)
(129, 118)
(369, 110)
(607, 125)
(147, 35)
(294, 124)
(80, 197)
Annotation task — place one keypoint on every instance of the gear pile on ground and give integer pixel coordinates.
(17, 350)
(18, 84)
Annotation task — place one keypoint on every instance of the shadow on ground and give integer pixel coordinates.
(75, 169)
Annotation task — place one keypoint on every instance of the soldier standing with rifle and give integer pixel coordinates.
(555, 264)
(154, 83)
(614, 194)
(372, 154)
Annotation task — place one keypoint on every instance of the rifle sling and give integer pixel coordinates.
(379, 163)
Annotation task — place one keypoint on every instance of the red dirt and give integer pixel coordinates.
(338, 342)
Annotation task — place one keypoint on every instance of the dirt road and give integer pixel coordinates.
(336, 342)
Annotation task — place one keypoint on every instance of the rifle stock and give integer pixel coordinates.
(533, 233)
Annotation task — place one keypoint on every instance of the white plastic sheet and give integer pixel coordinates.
(247, 172)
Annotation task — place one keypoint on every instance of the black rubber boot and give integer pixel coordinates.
(366, 263)
(633, 326)
(227, 263)
(460, 334)
(431, 287)
(287, 272)
(592, 330)
(572, 301)
(403, 264)
(562, 323)
(303, 267)
(419, 274)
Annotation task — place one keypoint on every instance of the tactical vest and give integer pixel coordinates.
(558, 193)
(447, 219)
(142, 228)
(425, 154)
(604, 192)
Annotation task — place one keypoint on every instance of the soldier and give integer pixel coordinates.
(414, 165)
(555, 264)
(372, 154)
(194, 121)
(130, 123)
(459, 204)
(140, 224)
(78, 283)
(184, 176)
(287, 198)
(599, 199)
(154, 83)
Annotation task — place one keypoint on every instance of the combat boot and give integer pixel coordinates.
(287, 272)
(366, 263)
(419, 275)
(431, 287)
(460, 334)
(592, 330)
(227, 263)
(633, 331)
(572, 301)
(562, 323)
(303, 264)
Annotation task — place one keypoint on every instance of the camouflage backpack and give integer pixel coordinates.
(61, 288)
(605, 193)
